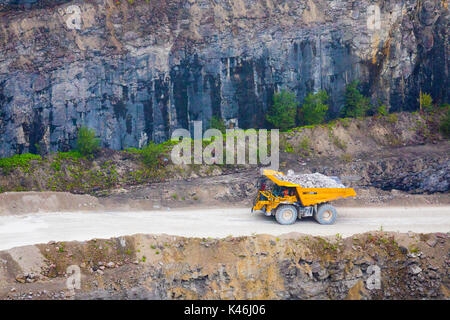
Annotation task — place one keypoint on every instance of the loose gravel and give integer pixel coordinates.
(314, 180)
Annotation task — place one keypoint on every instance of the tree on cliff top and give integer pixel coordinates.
(282, 113)
(87, 143)
(356, 104)
(314, 109)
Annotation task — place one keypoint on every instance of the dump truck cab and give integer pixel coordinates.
(288, 202)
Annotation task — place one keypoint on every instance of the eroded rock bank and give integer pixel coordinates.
(30, 202)
(377, 265)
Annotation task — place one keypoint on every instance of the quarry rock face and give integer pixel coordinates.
(136, 71)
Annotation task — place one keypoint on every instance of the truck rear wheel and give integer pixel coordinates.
(286, 214)
(326, 214)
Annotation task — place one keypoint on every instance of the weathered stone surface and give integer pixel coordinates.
(135, 72)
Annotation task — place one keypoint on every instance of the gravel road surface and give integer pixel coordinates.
(44, 227)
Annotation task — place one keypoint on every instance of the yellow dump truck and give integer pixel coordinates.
(288, 201)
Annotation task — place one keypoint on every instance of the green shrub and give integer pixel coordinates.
(150, 154)
(304, 148)
(56, 165)
(74, 154)
(314, 109)
(18, 160)
(87, 143)
(356, 104)
(285, 145)
(217, 123)
(382, 110)
(282, 113)
(426, 102)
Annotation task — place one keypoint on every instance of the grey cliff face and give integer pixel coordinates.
(135, 72)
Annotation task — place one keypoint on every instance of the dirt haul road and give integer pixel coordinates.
(44, 227)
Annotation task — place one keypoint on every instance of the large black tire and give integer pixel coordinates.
(286, 214)
(326, 214)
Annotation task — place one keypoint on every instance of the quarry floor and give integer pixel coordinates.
(28, 229)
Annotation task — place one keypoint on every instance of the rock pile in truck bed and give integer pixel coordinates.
(314, 180)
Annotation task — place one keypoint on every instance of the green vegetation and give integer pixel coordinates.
(382, 110)
(282, 113)
(74, 154)
(87, 143)
(285, 145)
(76, 175)
(314, 109)
(217, 123)
(304, 147)
(425, 102)
(356, 104)
(151, 153)
(18, 160)
(326, 245)
(413, 249)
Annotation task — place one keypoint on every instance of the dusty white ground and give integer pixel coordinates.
(43, 227)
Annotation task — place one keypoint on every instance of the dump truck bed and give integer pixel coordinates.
(312, 196)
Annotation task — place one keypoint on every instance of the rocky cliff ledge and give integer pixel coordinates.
(136, 70)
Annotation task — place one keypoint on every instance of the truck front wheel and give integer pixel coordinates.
(286, 214)
(326, 214)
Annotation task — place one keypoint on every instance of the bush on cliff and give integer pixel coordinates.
(382, 110)
(282, 113)
(356, 104)
(87, 143)
(425, 102)
(150, 154)
(314, 108)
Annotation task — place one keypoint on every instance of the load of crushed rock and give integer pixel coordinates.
(314, 180)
